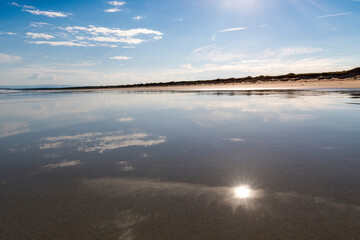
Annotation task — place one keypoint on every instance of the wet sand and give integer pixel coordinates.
(267, 164)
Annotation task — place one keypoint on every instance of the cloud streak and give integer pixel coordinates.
(120, 58)
(298, 51)
(34, 11)
(335, 15)
(233, 29)
(39, 35)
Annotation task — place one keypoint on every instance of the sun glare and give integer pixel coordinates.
(242, 192)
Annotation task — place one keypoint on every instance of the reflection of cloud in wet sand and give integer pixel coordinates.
(98, 141)
(63, 164)
(234, 140)
(125, 166)
(125, 119)
(13, 128)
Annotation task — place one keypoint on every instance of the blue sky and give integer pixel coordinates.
(97, 42)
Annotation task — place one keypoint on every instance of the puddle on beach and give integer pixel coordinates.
(180, 165)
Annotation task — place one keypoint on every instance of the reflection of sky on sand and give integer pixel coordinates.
(265, 162)
(13, 128)
(98, 141)
(50, 110)
(229, 196)
(242, 196)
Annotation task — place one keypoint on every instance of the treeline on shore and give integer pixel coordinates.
(354, 73)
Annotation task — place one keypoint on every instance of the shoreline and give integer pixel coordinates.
(260, 85)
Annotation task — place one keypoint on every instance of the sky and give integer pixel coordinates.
(98, 42)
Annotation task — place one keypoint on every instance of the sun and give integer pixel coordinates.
(242, 192)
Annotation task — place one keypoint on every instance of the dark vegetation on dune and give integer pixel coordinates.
(354, 73)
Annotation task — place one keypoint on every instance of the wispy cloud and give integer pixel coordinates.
(116, 3)
(39, 35)
(6, 58)
(214, 54)
(112, 10)
(38, 24)
(8, 33)
(29, 7)
(335, 15)
(34, 11)
(298, 51)
(51, 14)
(117, 40)
(137, 18)
(99, 36)
(120, 58)
(93, 36)
(233, 29)
(62, 43)
(15, 4)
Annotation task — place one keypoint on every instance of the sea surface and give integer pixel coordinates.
(272, 164)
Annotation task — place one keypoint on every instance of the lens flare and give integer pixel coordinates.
(242, 192)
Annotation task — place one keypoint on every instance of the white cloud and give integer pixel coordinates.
(116, 3)
(335, 15)
(8, 33)
(6, 58)
(98, 36)
(51, 14)
(111, 10)
(34, 11)
(15, 4)
(137, 18)
(29, 7)
(38, 24)
(298, 51)
(117, 40)
(62, 43)
(120, 58)
(114, 31)
(39, 35)
(233, 29)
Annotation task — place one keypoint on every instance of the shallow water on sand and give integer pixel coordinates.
(180, 165)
